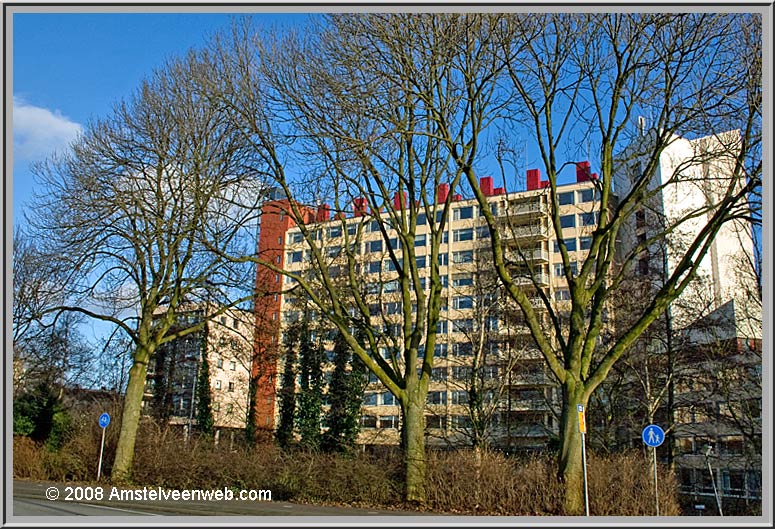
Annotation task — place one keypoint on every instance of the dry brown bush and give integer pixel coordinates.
(464, 482)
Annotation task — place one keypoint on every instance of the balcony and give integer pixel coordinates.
(533, 208)
(537, 255)
(531, 279)
(528, 231)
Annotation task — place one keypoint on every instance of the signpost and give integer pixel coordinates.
(103, 422)
(583, 430)
(654, 436)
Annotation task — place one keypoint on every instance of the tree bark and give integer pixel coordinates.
(130, 420)
(571, 471)
(414, 450)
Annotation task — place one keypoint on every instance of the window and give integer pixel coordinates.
(391, 286)
(462, 349)
(216, 406)
(565, 199)
(231, 386)
(370, 399)
(352, 229)
(436, 421)
(368, 421)
(586, 195)
(461, 421)
(375, 267)
(445, 237)
(463, 213)
(570, 245)
(421, 219)
(387, 399)
(483, 232)
(462, 372)
(296, 237)
(373, 226)
(395, 243)
(333, 251)
(464, 325)
(643, 266)
(374, 246)
(232, 365)
(463, 257)
(294, 257)
(441, 327)
(463, 302)
(443, 259)
(463, 235)
(640, 218)
(217, 384)
(459, 397)
(588, 219)
(420, 240)
(462, 280)
(390, 265)
(334, 232)
(562, 295)
(444, 280)
(219, 362)
(421, 261)
(440, 351)
(585, 243)
(568, 221)
(394, 307)
(439, 374)
(437, 397)
(388, 421)
(559, 269)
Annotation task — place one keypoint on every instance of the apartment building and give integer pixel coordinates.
(226, 341)
(520, 394)
(715, 327)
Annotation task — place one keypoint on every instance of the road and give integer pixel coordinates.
(30, 499)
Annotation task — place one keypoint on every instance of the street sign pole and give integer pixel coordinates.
(656, 487)
(103, 422)
(102, 448)
(583, 430)
(654, 436)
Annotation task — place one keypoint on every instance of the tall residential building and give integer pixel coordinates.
(714, 328)
(523, 398)
(226, 341)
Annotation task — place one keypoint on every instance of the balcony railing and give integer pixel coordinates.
(529, 279)
(525, 232)
(527, 208)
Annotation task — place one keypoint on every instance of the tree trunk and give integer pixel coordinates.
(571, 471)
(414, 450)
(125, 449)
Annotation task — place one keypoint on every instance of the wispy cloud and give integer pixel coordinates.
(39, 132)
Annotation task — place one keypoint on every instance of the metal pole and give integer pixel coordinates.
(656, 486)
(713, 482)
(584, 460)
(102, 448)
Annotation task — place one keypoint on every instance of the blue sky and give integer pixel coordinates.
(70, 67)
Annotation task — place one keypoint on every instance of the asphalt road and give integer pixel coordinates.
(31, 498)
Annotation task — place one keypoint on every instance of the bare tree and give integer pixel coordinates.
(134, 209)
(357, 99)
(588, 77)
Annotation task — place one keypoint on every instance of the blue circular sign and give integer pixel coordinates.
(104, 420)
(653, 435)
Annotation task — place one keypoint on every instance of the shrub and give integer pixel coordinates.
(461, 482)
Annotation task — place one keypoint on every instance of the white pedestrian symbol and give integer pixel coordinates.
(653, 438)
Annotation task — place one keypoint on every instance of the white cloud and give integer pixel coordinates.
(39, 132)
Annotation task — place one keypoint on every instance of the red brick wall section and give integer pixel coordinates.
(275, 222)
